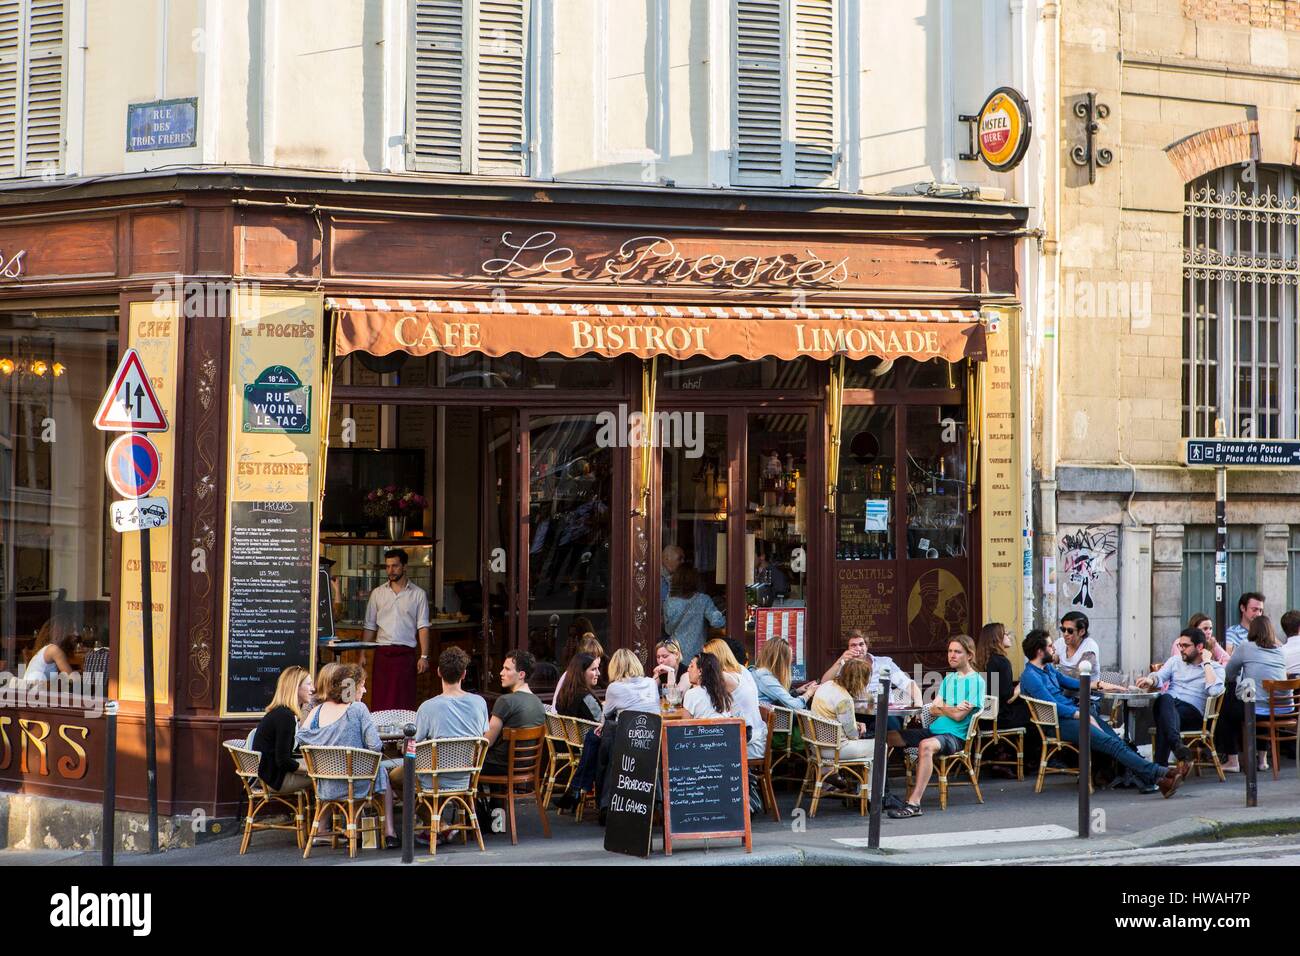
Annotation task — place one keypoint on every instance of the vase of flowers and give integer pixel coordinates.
(395, 504)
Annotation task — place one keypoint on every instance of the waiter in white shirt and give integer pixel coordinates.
(396, 615)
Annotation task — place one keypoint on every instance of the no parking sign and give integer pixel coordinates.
(132, 465)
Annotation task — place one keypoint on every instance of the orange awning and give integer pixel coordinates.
(534, 329)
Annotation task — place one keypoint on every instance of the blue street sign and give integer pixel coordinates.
(1243, 452)
(163, 124)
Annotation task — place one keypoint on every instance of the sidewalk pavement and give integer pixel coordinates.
(1013, 822)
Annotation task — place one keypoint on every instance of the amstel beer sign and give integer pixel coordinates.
(1003, 127)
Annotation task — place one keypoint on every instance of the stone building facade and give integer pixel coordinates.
(1176, 305)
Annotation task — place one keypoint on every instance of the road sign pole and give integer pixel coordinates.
(1220, 554)
(150, 736)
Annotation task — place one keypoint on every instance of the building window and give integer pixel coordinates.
(467, 95)
(1198, 569)
(32, 67)
(1240, 275)
(1293, 569)
(784, 129)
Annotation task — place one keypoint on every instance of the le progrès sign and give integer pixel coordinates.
(277, 401)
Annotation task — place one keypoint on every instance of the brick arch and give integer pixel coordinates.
(1210, 149)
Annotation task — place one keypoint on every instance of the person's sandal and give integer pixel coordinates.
(908, 810)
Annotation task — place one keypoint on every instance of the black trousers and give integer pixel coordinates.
(1172, 717)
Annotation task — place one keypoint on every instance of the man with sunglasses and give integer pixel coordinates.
(1193, 676)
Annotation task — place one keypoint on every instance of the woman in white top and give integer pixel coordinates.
(744, 693)
(53, 645)
(708, 696)
(1074, 646)
(629, 688)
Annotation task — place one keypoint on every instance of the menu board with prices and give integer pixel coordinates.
(271, 572)
(867, 597)
(706, 781)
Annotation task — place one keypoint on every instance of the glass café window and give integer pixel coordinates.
(776, 510)
(53, 515)
(734, 373)
(476, 370)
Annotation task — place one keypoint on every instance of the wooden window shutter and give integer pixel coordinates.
(11, 46)
(436, 121)
(500, 144)
(43, 74)
(816, 144)
(758, 101)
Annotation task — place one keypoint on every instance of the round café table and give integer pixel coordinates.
(1129, 701)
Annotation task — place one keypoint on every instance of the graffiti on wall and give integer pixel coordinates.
(1084, 554)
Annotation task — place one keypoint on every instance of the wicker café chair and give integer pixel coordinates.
(1044, 716)
(1201, 741)
(260, 797)
(576, 729)
(393, 718)
(762, 769)
(785, 758)
(967, 758)
(561, 761)
(444, 757)
(821, 741)
(360, 770)
(991, 735)
(522, 779)
(1282, 722)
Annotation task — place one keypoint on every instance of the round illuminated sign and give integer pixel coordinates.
(1003, 132)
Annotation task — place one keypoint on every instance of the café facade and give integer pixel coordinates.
(594, 401)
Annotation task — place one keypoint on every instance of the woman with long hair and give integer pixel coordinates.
(772, 677)
(54, 645)
(1205, 624)
(276, 735)
(688, 612)
(744, 691)
(629, 688)
(708, 696)
(835, 701)
(1259, 658)
(575, 697)
(669, 666)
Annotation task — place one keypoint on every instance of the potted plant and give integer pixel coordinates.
(395, 504)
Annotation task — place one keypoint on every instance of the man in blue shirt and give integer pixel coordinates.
(1250, 606)
(1042, 681)
(1193, 677)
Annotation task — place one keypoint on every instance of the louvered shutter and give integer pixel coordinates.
(499, 111)
(815, 140)
(758, 104)
(10, 64)
(438, 140)
(43, 87)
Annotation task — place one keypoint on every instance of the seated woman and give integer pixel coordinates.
(708, 696)
(629, 688)
(745, 693)
(835, 701)
(324, 681)
(575, 697)
(669, 665)
(772, 677)
(587, 645)
(1258, 658)
(991, 660)
(54, 644)
(277, 731)
(342, 720)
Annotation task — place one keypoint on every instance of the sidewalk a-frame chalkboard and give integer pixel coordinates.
(634, 773)
(706, 781)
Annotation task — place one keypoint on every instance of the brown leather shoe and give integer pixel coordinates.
(1169, 783)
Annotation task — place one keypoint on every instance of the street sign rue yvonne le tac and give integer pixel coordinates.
(130, 404)
(132, 465)
(1243, 453)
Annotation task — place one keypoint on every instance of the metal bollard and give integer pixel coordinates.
(1085, 749)
(410, 785)
(1246, 692)
(878, 761)
(108, 830)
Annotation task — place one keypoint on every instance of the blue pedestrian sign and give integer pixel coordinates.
(132, 465)
(1243, 453)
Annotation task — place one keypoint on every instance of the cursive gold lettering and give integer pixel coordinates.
(68, 769)
(26, 734)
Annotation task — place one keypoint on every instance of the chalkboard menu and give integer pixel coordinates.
(271, 573)
(867, 599)
(706, 781)
(634, 770)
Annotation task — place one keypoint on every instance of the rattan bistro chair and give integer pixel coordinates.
(788, 763)
(1044, 716)
(1201, 740)
(991, 735)
(260, 796)
(821, 741)
(522, 779)
(445, 757)
(576, 730)
(561, 756)
(359, 769)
